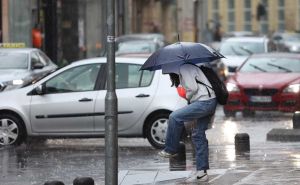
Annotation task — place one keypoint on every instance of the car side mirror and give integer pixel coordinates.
(40, 90)
(38, 66)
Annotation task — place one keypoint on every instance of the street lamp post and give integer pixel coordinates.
(111, 104)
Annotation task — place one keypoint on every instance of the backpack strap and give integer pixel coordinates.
(206, 86)
(199, 82)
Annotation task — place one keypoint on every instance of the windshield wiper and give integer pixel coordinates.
(256, 67)
(234, 51)
(247, 50)
(33, 81)
(280, 67)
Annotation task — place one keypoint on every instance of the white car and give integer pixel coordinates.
(71, 103)
(238, 49)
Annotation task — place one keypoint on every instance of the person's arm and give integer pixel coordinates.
(187, 73)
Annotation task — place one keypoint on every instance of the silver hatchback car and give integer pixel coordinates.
(71, 103)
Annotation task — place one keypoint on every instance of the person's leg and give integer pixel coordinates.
(199, 136)
(177, 118)
(201, 144)
(174, 131)
(200, 141)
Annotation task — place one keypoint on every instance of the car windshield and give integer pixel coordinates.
(9, 60)
(33, 81)
(272, 65)
(241, 48)
(140, 46)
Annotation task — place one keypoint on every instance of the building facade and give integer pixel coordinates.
(76, 29)
(70, 29)
(241, 15)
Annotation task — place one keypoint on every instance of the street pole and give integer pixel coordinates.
(111, 104)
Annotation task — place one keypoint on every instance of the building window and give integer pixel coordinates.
(231, 15)
(231, 4)
(215, 10)
(281, 17)
(298, 15)
(247, 15)
(264, 20)
(281, 3)
(216, 4)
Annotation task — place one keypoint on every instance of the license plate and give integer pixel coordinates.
(261, 99)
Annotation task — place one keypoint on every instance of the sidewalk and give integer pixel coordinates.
(270, 163)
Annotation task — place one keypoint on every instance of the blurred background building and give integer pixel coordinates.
(76, 29)
(244, 15)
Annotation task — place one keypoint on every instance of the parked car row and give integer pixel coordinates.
(70, 102)
(238, 49)
(263, 73)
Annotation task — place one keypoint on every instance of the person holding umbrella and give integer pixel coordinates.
(179, 61)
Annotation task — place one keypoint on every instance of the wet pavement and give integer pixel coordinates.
(268, 162)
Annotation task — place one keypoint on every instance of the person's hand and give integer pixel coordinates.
(181, 92)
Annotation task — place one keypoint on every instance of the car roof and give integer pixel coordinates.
(145, 36)
(246, 39)
(239, 34)
(278, 55)
(134, 55)
(135, 60)
(286, 33)
(19, 50)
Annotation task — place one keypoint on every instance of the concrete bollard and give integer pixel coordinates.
(54, 183)
(83, 181)
(178, 163)
(296, 120)
(242, 142)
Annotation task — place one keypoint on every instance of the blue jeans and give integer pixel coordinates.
(202, 111)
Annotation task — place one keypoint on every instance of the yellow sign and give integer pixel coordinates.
(12, 45)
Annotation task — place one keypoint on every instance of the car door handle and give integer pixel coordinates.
(142, 95)
(85, 100)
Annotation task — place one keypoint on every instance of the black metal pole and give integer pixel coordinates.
(111, 138)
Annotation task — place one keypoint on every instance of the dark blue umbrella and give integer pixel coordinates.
(170, 57)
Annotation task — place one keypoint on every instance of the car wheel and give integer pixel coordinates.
(156, 130)
(12, 131)
(229, 113)
(248, 113)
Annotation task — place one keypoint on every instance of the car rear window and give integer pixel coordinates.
(268, 64)
(10, 60)
(137, 46)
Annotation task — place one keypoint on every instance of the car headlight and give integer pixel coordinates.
(294, 88)
(294, 48)
(13, 84)
(225, 71)
(231, 87)
(2, 86)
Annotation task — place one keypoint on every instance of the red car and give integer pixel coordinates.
(265, 82)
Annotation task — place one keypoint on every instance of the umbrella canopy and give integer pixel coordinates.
(170, 57)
